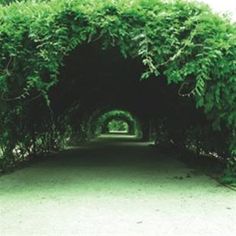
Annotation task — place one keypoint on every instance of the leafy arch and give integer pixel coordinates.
(97, 120)
(103, 119)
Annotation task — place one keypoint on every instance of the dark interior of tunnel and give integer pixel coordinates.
(92, 78)
(96, 78)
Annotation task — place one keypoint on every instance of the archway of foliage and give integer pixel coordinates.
(184, 42)
(98, 123)
(117, 126)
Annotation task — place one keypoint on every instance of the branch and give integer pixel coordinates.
(20, 97)
(180, 51)
(6, 70)
(185, 94)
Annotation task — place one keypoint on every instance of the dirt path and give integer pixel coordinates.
(114, 188)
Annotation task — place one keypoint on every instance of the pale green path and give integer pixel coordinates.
(112, 189)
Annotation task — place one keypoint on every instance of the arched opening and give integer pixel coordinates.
(114, 82)
(114, 121)
(116, 126)
(161, 114)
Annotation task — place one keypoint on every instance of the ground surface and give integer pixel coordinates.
(114, 188)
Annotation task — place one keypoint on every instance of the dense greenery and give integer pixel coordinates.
(8, 2)
(183, 42)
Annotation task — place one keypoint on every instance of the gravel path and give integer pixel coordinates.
(114, 188)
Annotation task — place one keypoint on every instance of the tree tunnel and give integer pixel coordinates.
(63, 64)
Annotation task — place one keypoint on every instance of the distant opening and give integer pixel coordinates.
(114, 122)
(117, 126)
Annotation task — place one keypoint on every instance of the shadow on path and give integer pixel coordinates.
(117, 161)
